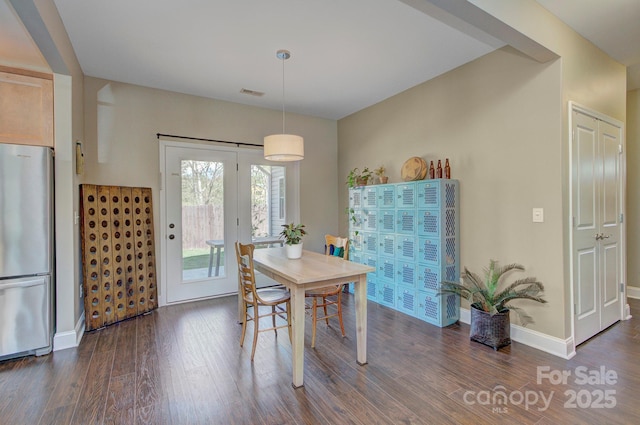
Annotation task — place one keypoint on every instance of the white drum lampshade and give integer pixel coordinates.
(284, 147)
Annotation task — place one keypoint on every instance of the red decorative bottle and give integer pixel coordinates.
(432, 171)
(447, 169)
(439, 170)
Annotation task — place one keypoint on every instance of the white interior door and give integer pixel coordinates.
(597, 237)
(200, 222)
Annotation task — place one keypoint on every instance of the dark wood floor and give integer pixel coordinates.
(183, 365)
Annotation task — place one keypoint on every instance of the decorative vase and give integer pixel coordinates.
(492, 330)
(294, 251)
(383, 179)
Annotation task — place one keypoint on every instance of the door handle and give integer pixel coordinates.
(598, 236)
(603, 236)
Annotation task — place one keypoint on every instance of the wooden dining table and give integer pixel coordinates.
(314, 270)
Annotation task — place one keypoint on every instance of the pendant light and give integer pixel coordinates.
(283, 147)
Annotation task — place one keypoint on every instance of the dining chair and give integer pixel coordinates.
(330, 295)
(253, 298)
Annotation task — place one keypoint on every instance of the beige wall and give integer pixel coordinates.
(633, 182)
(502, 121)
(125, 151)
(498, 121)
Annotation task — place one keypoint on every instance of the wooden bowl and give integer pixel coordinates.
(414, 168)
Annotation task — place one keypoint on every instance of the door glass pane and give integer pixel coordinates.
(268, 204)
(202, 219)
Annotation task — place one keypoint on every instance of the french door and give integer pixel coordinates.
(210, 198)
(597, 204)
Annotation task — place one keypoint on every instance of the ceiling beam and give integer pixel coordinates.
(30, 17)
(476, 22)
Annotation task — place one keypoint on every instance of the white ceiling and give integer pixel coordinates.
(612, 25)
(346, 54)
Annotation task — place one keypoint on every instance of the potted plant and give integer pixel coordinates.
(357, 178)
(292, 234)
(380, 173)
(490, 323)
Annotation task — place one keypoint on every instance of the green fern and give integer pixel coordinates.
(485, 294)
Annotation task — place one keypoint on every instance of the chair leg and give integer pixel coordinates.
(324, 304)
(288, 307)
(314, 315)
(244, 324)
(256, 322)
(340, 313)
(273, 319)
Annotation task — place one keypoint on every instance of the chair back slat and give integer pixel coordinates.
(246, 274)
(334, 242)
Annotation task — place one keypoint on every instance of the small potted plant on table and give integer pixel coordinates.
(292, 234)
(490, 323)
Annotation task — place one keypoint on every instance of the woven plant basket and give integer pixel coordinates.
(491, 330)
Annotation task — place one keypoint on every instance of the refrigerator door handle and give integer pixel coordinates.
(22, 284)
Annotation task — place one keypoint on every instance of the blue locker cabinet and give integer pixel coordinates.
(410, 233)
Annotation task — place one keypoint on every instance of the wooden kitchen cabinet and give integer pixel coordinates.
(26, 107)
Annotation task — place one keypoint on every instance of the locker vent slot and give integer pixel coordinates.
(387, 270)
(371, 243)
(407, 275)
(371, 200)
(430, 252)
(450, 223)
(450, 250)
(452, 306)
(387, 222)
(431, 308)
(408, 300)
(450, 196)
(450, 274)
(406, 224)
(371, 221)
(387, 197)
(430, 195)
(387, 294)
(407, 248)
(371, 289)
(430, 280)
(357, 199)
(387, 247)
(407, 196)
(430, 224)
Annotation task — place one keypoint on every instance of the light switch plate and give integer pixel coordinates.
(538, 215)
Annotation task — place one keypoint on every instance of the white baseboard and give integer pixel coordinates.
(633, 292)
(69, 339)
(564, 348)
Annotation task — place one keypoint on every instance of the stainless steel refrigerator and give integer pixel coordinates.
(26, 250)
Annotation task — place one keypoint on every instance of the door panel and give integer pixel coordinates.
(585, 146)
(587, 292)
(586, 213)
(611, 289)
(200, 222)
(611, 227)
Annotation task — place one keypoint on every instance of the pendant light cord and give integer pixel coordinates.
(283, 59)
